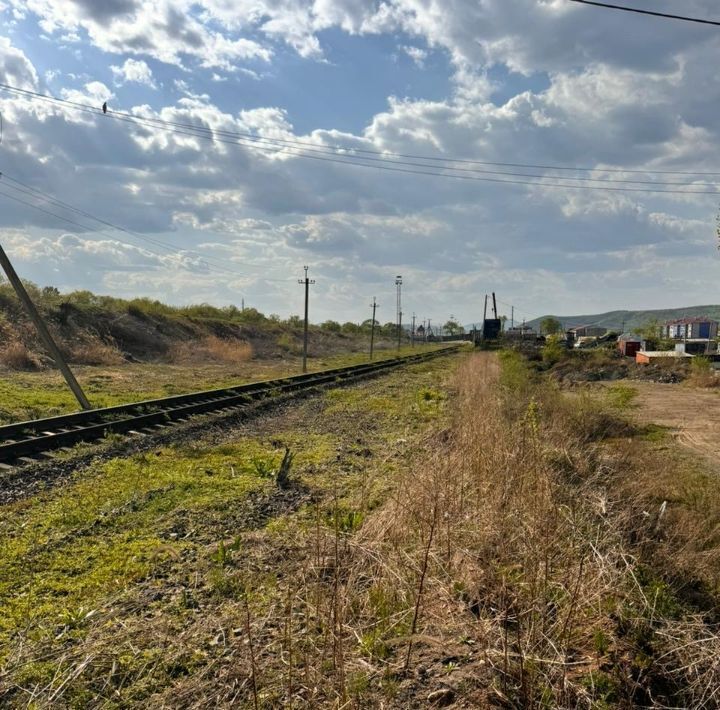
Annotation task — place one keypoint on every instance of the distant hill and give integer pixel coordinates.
(613, 320)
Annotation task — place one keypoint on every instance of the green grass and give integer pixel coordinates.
(31, 395)
(81, 560)
(67, 551)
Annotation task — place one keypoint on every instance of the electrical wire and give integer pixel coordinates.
(387, 165)
(663, 15)
(343, 150)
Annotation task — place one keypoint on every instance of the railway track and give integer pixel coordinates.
(25, 443)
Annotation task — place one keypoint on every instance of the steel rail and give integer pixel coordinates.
(39, 436)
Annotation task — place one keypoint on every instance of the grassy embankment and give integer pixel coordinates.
(489, 539)
(103, 330)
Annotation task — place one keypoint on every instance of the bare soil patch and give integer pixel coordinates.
(692, 414)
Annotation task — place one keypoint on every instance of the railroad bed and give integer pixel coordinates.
(24, 442)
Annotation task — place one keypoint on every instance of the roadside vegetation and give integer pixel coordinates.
(104, 330)
(467, 531)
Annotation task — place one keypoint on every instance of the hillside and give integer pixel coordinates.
(102, 330)
(614, 320)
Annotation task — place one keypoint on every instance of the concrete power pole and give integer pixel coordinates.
(372, 329)
(398, 284)
(43, 331)
(307, 283)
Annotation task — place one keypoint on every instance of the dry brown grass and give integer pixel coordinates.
(511, 539)
(16, 356)
(211, 350)
(96, 352)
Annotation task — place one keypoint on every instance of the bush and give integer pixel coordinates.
(702, 373)
(289, 344)
(553, 351)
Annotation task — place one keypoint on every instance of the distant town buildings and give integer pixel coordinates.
(587, 331)
(689, 328)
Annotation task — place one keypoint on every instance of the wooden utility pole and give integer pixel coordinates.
(372, 329)
(398, 284)
(307, 283)
(43, 330)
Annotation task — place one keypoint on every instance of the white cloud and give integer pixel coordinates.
(417, 54)
(15, 68)
(133, 70)
(643, 100)
(166, 30)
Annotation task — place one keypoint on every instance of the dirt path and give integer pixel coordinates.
(693, 414)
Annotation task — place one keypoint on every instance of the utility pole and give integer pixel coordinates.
(413, 331)
(512, 316)
(429, 328)
(307, 283)
(372, 329)
(43, 331)
(484, 317)
(398, 284)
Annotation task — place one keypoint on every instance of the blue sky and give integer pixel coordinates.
(540, 82)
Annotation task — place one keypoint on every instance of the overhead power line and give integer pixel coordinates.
(337, 149)
(639, 11)
(347, 157)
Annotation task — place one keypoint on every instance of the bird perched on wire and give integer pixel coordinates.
(105, 107)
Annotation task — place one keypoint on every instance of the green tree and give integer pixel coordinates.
(331, 326)
(651, 333)
(350, 328)
(453, 327)
(550, 326)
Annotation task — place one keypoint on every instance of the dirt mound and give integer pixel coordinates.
(101, 330)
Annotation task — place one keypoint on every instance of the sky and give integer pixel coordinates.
(631, 99)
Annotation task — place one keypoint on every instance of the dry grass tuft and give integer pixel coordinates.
(210, 350)
(96, 352)
(16, 356)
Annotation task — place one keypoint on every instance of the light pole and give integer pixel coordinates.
(398, 284)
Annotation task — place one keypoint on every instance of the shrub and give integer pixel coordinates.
(702, 373)
(289, 344)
